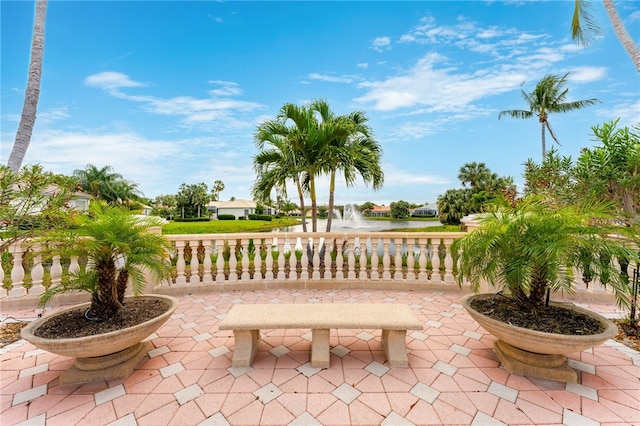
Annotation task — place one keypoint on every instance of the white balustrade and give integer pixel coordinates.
(275, 259)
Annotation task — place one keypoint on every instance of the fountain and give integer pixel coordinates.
(350, 218)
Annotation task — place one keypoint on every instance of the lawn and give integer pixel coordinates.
(226, 226)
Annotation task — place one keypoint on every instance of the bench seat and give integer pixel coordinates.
(393, 319)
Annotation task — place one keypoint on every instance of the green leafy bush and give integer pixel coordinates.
(226, 217)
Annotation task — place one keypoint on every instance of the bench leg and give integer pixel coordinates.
(394, 345)
(320, 348)
(247, 342)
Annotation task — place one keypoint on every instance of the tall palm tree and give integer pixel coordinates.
(287, 157)
(32, 94)
(583, 27)
(546, 98)
(473, 174)
(218, 187)
(349, 147)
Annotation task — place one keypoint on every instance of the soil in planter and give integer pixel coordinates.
(549, 319)
(73, 324)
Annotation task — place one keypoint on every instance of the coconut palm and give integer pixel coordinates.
(546, 98)
(32, 94)
(583, 27)
(527, 249)
(119, 247)
(348, 146)
(473, 174)
(218, 187)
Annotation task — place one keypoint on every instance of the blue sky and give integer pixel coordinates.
(171, 92)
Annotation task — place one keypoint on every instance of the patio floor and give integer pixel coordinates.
(454, 376)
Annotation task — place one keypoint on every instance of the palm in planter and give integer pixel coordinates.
(119, 247)
(529, 250)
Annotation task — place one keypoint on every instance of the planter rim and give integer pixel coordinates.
(610, 331)
(27, 332)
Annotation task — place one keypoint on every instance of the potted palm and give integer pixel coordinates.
(105, 334)
(529, 250)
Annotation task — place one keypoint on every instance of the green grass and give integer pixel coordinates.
(226, 226)
(439, 228)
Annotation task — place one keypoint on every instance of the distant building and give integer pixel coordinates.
(238, 208)
(428, 210)
(380, 211)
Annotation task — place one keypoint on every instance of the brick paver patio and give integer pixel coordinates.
(454, 376)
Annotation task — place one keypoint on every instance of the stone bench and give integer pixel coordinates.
(393, 319)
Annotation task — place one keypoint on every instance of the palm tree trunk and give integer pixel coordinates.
(314, 205)
(332, 188)
(105, 303)
(28, 118)
(621, 32)
(303, 213)
(544, 146)
(121, 284)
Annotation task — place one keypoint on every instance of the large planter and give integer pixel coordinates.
(535, 353)
(105, 356)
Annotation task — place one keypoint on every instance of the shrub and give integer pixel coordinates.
(192, 219)
(226, 217)
(265, 217)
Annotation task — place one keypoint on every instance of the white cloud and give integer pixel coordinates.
(381, 43)
(363, 65)
(332, 79)
(53, 114)
(228, 88)
(110, 81)
(587, 74)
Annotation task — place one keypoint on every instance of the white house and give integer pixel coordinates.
(428, 210)
(238, 208)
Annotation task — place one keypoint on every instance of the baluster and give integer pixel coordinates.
(181, 278)
(386, 261)
(293, 261)
(351, 260)
(281, 274)
(435, 261)
(422, 260)
(304, 260)
(340, 261)
(257, 260)
(316, 259)
(207, 278)
(411, 271)
(375, 274)
(74, 265)
(195, 263)
(327, 259)
(398, 259)
(246, 276)
(269, 261)
(363, 259)
(37, 272)
(233, 260)
(56, 270)
(220, 260)
(17, 272)
(448, 262)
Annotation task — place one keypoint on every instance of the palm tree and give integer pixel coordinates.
(583, 27)
(28, 118)
(284, 159)
(120, 247)
(473, 174)
(548, 97)
(104, 184)
(347, 146)
(218, 187)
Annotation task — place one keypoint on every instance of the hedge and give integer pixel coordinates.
(226, 217)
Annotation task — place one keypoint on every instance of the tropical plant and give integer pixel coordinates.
(278, 160)
(548, 97)
(218, 187)
(531, 247)
(119, 247)
(191, 199)
(32, 201)
(32, 93)
(399, 209)
(347, 145)
(611, 171)
(584, 27)
(106, 185)
(554, 177)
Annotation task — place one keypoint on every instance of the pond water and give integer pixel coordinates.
(362, 225)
